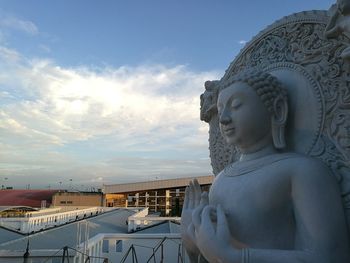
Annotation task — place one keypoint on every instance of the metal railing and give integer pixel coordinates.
(160, 246)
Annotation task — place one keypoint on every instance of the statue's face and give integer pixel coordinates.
(244, 119)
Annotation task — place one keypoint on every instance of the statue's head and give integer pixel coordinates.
(252, 107)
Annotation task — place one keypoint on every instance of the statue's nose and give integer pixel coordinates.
(225, 118)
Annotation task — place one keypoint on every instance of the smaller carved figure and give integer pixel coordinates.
(339, 24)
(208, 100)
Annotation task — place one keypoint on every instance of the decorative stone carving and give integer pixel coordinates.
(208, 100)
(339, 24)
(307, 53)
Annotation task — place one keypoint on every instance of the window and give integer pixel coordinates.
(69, 202)
(63, 202)
(105, 246)
(119, 246)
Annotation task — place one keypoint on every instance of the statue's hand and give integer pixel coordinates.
(213, 238)
(192, 200)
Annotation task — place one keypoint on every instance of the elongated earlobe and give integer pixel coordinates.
(279, 120)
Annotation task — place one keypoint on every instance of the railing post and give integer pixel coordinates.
(65, 251)
(161, 253)
(134, 255)
(26, 254)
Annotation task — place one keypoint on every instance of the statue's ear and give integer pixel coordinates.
(279, 120)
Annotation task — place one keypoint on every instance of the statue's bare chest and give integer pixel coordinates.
(263, 189)
(256, 202)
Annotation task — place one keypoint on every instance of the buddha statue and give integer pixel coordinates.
(270, 206)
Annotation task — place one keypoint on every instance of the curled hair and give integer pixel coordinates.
(268, 87)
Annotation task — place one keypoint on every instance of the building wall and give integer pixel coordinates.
(155, 185)
(166, 202)
(118, 200)
(77, 199)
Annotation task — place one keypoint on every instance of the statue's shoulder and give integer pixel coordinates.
(306, 168)
(296, 164)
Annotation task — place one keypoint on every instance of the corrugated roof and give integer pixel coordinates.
(8, 208)
(153, 185)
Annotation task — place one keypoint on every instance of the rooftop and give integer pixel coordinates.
(32, 198)
(153, 185)
(66, 235)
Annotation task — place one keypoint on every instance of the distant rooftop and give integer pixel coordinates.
(153, 185)
(16, 208)
(32, 198)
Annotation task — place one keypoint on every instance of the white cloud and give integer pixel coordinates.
(47, 110)
(242, 42)
(16, 23)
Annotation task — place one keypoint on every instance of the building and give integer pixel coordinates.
(83, 226)
(31, 198)
(76, 200)
(160, 196)
(26, 220)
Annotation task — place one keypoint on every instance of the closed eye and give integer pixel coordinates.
(236, 103)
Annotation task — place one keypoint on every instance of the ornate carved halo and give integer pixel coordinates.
(295, 50)
(306, 107)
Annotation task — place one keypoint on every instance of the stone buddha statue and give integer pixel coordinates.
(279, 141)
(271, 205)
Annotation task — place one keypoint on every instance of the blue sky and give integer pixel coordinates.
(108, 91)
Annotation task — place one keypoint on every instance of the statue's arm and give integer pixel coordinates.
(321, 231)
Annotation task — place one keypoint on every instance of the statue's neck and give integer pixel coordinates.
(264, 151)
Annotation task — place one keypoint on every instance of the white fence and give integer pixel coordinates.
(26, 225)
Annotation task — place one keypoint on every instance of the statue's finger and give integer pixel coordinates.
(198, 192)
(191, 195)
(186, 201)
(206, 222)
(196, 216)
(191, 232)
(204, 199)
(222, 228)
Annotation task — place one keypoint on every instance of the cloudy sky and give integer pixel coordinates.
(95, 92)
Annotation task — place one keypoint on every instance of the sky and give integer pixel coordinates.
(102, 92)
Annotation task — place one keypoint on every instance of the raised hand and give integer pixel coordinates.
(192, 200)
(213, 237)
